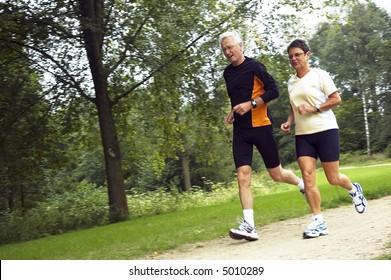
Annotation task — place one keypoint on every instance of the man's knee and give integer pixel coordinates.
(277, 177)
(244, 174)
(277, 174)
(334, 180)
(244, 170)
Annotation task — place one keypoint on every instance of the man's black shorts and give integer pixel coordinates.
(260, 137)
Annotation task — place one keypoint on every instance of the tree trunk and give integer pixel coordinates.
(367, 133)
(92, 23)
(186, 172)
(10, 202)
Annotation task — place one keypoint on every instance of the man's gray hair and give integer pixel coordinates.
(234, 34)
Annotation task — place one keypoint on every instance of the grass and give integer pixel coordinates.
(138, 238)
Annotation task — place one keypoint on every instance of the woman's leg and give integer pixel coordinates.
(308, 170)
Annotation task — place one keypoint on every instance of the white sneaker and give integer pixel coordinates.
(315, 229)
(244, 231)
(358, 199)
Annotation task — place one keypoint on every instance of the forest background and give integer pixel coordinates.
(112, 110)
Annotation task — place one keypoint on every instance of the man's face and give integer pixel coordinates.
(232, 50)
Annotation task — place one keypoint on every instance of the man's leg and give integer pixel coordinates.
(244, 181)
(242, 152)
(245, 193)
(279, 174)
(267, 147)
(246, 229)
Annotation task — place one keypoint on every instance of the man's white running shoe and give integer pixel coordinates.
(244, 231)
(358, 199)
(315, 229)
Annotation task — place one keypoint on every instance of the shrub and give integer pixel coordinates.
(163, 201)
(387, 151)
(84, 207)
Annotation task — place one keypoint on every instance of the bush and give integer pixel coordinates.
(387, 151)
(83, 207)
(163, 201)
(86, 206)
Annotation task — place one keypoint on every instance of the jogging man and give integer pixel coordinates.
(250, 88)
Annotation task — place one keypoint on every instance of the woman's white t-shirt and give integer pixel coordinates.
(313, 89)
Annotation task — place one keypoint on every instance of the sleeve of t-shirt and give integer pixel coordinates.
(326, 83)
(269, 84)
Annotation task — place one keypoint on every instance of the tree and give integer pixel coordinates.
(119, 54)
(354, 51)
(28, 146)
(119, 38)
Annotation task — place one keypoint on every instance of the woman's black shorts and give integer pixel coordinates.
(324, 144)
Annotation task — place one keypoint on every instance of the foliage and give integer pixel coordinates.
(160, 201)
(142, 237)
(147, 92)
(29, 149)
(356, 52)
(80, 208)
(164, 88)
(83, 206)
(351, 129)
(388, 151)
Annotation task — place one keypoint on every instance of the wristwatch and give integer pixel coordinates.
(317, 108)
(254, 103)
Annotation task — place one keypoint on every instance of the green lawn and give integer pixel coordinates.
(137, 238)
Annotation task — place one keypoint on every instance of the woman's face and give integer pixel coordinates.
(298, 58)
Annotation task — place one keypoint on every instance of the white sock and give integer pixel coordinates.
(318, 218)
(249, 216)
(300, 185)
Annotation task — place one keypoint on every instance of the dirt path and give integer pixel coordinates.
(351, 237)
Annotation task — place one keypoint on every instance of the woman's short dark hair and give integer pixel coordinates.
(299, 43)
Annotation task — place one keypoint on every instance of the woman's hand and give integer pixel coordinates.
(286, 127)
(304, 109)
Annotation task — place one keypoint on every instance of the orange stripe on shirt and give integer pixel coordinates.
(259, 115)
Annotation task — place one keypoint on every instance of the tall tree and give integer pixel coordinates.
(28, 145)
(106, 51)
(120, 39)
(354, 51)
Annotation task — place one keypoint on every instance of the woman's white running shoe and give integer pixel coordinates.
(315, 229)
(358, 199)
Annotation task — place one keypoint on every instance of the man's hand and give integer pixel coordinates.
(229, 119)
(242, 108)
